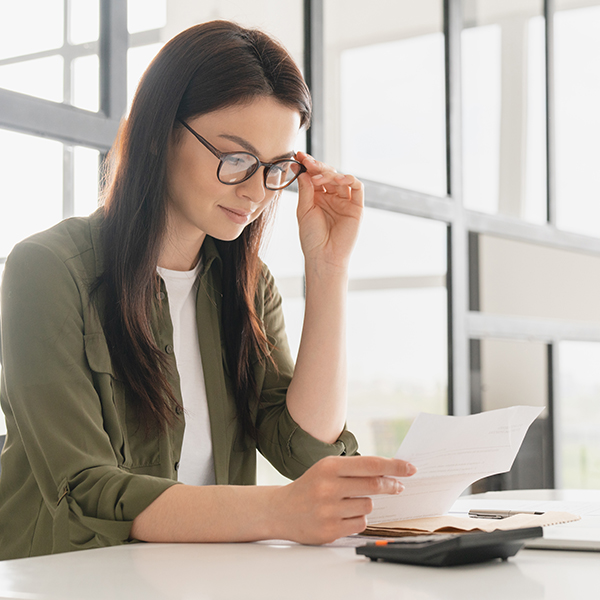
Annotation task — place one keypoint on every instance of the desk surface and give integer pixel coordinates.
(270, 571)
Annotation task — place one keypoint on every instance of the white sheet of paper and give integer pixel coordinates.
(450, 454)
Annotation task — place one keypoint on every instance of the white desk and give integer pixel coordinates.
(265, 572)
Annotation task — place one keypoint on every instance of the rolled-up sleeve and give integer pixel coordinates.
(282, 441)
(55, 411)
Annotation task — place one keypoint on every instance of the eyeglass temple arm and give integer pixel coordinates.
(206, 144)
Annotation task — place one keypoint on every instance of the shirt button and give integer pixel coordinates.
(176, 465)
(160, 296)
(169, 348)
(178, 410)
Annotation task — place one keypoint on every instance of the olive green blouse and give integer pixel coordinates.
(76, 466)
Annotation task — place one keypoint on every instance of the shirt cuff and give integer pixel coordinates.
(307, 450)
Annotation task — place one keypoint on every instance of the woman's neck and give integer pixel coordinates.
(180, 253)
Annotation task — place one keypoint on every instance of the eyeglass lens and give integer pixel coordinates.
(236, 168)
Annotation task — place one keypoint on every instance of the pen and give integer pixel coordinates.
(499, 514)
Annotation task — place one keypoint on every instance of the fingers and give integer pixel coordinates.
(369, 466)
(313, 166)
(365, 475)
(332, 500)
(355, 507)
(352, 487)
(327, 180)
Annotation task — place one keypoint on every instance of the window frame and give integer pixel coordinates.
(466, 325)
(69, 124)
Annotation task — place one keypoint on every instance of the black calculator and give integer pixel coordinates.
(443, 550)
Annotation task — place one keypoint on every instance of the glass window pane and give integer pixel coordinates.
(29, 26)
(392, 244)
(577, 97)
(146, 14)
(513, 373)
(481, 116)
(509, 373)
(283, 255)
(85, 188)
(504, 109)
(517, 278)
(86, 91)
(84, 21)
(42, 77)
(282, 251)
(285, 24)
(138, 60)
(385, 101)
(397, 328)
(31, 175)
(579, 415)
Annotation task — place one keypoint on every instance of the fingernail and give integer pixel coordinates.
(319, 176)
(411, 469)
(399, 487)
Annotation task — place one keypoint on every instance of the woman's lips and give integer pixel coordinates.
(239, 217)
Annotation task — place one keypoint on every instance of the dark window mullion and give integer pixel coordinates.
(314, 64)
(553, 354)
(550, 113)
(458, 282)
(314, 74)
(550, 445)
(114, 40)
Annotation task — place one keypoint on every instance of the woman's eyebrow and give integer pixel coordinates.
(250, 148)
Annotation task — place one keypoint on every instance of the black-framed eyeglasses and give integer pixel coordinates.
(236, 167)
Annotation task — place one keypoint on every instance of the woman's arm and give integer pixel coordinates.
(322, 505)
(62, 470)
(329, 213)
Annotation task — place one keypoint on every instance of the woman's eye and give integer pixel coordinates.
(281, 169)
(235, 161)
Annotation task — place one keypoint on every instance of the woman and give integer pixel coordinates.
(145, 358)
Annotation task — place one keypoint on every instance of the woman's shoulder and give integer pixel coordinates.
(68, 241)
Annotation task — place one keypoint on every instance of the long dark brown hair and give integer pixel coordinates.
(206, 67)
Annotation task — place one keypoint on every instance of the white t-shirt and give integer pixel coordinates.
(196, 466)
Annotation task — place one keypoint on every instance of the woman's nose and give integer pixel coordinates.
(254, 187)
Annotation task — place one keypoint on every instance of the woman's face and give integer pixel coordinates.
(198, 203)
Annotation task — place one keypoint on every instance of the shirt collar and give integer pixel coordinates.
(210, 255)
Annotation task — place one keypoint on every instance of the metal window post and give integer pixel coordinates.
(314, 74)
(114, 40)
(458, 276)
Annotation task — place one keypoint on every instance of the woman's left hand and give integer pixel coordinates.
(329, 212)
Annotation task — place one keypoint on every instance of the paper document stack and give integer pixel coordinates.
(451, 453)
(452, 524)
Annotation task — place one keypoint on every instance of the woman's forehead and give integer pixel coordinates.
(268, 128)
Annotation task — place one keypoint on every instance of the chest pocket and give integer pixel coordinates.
(134, 449)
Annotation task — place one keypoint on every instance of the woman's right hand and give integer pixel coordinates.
(328, 502)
